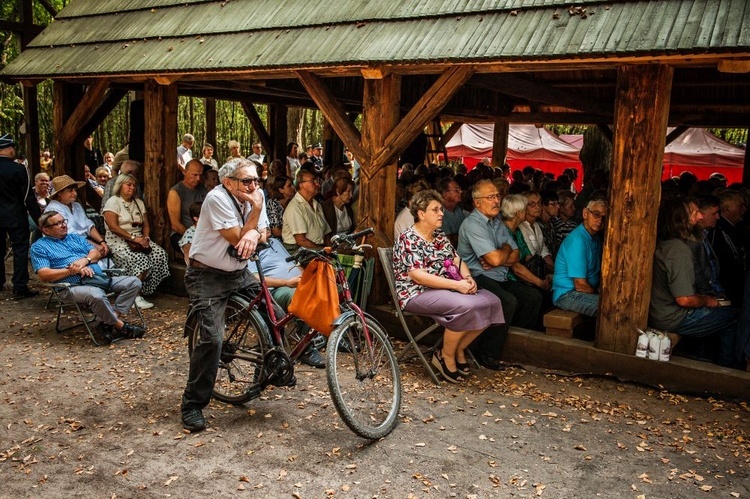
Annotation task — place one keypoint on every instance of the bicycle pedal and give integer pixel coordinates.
(292, 382)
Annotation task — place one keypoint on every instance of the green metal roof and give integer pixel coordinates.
(105, 37)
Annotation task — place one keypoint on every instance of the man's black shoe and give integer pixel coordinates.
(489, 363)
(312, 357)
(21, 293)
(106, 333)
(193, 420)
(133, 331)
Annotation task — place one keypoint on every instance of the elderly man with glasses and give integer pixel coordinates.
(304, 220)
(578, 266)
(489, 250)
(232, 222)
(62, 257)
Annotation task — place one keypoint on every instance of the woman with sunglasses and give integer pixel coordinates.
(128, 233)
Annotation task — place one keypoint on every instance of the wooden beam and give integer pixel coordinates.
(160, 165)
(675, 134)
(376, 73)
(424, 111)
(48, 7)
(31, 120)
(500, 142)
(114, 96)
(91, 101)
(258, 126)
(606, 131)
(69, 158)
(746, 166)
(277, 115)
(641, 111)
(452, 130)
(678, 375)
(210, 105)
(536, 91)
(377, 182)
(166, 79)
(334, 113)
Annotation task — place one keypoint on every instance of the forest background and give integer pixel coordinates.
(305, 126)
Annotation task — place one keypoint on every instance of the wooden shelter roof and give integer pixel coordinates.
(146, 37)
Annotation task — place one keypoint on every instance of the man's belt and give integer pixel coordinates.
(198, 265)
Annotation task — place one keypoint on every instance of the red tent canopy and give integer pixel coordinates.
(702, 153)
(527, 146)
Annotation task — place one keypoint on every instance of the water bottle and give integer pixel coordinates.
(641, 348)
(665, 349)
(654, 345)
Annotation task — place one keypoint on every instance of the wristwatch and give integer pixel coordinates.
(88, 260)
(132, 237)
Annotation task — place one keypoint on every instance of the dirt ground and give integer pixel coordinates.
(103, 422)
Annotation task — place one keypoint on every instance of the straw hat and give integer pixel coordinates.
(63, 182)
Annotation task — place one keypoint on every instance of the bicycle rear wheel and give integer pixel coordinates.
(363, 377)
(246, 340)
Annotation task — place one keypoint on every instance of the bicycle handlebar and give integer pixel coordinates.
(351, 238)
(335, 241)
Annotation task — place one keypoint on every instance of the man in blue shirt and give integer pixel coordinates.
(70, 258)
(578, 266)
(489, 250)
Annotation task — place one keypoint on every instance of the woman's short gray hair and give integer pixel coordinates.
(422, 199)
(121, 180)
(512, 205)
(227, 171)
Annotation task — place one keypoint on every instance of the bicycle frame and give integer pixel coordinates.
(278, 324)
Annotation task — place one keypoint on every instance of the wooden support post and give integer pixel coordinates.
(277, 116)
(258, 125)
(31, 119)
(210, 105)
(69, 158)
(746, 171)
(160, 165)
(641, 112)
(500, 142)
(377, 188)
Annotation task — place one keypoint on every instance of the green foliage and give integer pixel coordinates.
(736, 136)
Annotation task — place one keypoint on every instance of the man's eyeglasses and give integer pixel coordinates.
(597, 215)
(314, 180)
(61, 223)
(247, 180)
(491, 197)
(532, 204)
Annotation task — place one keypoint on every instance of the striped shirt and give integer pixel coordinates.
(51, 253)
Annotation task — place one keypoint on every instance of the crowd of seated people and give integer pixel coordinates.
(528, 238)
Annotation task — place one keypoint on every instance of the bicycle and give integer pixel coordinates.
(361, 368)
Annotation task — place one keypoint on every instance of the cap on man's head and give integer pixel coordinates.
(7, 141)
(188, 138)
(317, 145)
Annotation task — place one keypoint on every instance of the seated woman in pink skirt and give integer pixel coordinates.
(425, 286)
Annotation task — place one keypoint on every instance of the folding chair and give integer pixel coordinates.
(61, 304)
(386, 258)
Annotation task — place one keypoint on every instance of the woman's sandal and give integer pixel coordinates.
(463, 368)
(439, 363)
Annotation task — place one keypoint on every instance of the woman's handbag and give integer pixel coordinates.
(316, 299)
(537, 266)
(137, 247)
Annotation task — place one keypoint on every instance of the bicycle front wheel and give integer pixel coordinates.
(246, 340)
(363, 377)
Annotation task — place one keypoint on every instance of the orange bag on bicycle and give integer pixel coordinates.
(316, 299)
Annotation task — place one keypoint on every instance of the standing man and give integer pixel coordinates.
(258, 155)
(578, 266)
(232, 215)
(184, 151)
(94, 158)
(181, 196)
(317, 157)
(17, 203)
(304, 221)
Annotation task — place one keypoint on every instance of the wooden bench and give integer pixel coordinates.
(562, 323)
